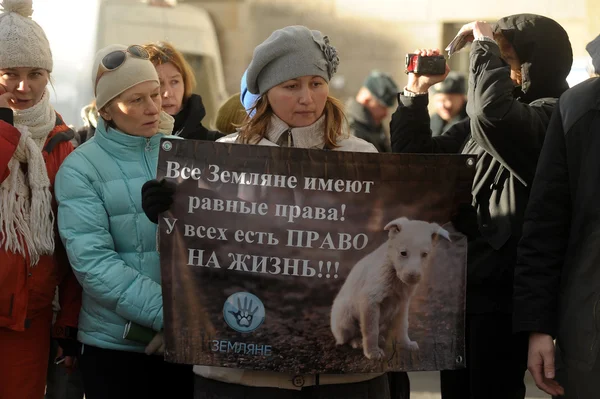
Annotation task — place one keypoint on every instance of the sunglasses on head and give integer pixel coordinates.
(113, 60)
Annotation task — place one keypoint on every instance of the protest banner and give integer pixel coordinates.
(311, 261)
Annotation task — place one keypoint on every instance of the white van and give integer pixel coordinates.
(77, 29)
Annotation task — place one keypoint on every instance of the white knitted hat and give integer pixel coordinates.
(23, 42)
(112, 83)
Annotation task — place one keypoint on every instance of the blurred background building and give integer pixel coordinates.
(218, 36)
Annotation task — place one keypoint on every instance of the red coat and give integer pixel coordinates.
(27, 291)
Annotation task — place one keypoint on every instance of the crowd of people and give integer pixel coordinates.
(79, 210)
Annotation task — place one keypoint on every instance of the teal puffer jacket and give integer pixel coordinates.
(110, 242)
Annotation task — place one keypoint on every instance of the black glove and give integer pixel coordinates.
(465, 221)
(157, 197)
(70, 347)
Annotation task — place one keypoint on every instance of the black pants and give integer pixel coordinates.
(496, 361)
(110, 374)
(399, 385)
(60, 384)
(377, 388)
(578, 384)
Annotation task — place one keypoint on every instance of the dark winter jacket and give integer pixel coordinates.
(188, 122)
(505, 129)
(363, 126)
(440, 126)
(89, 115)
(557, 277)
(83, 134)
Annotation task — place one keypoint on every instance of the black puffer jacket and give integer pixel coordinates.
(557, 278)
(188, 122)
(505, 129)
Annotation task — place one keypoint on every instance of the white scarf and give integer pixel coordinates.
(26, 217)
(165, 123)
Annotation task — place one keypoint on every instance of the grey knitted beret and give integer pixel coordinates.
(289, 53)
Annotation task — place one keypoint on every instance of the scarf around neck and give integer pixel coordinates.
(26, 217)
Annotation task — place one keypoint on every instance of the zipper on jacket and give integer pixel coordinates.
(290, 139)
(147, 151)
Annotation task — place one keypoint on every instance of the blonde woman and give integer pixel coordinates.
(34, 142)
(111, 244)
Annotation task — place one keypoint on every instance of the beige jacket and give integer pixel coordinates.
(310, 137)
(305, 137)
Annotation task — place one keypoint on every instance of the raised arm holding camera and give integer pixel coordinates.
(518, 68)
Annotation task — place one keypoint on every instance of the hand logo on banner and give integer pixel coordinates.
(244, 312)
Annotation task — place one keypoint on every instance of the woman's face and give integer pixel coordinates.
(172, 88)
(299, 102)
(509, 55)
(27, 84)
(136, 111)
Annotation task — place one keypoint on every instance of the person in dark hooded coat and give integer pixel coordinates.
(518, 69)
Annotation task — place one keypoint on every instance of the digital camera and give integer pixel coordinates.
(433, 65)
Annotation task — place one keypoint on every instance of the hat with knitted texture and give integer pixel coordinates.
(23, 42)
(290, 53)
(112, 83)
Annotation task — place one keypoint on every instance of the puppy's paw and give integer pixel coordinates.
(410, 346)
(374, 353)
(340, 338)
(356, 343)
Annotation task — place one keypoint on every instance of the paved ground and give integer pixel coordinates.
(426, 385)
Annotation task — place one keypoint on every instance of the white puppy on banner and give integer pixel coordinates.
(376, 295)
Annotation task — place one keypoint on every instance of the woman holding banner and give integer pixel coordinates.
(290, 72)
(110, 243)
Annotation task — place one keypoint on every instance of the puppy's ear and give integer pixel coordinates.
(395, 226)
(393, 230)
(438, 231)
